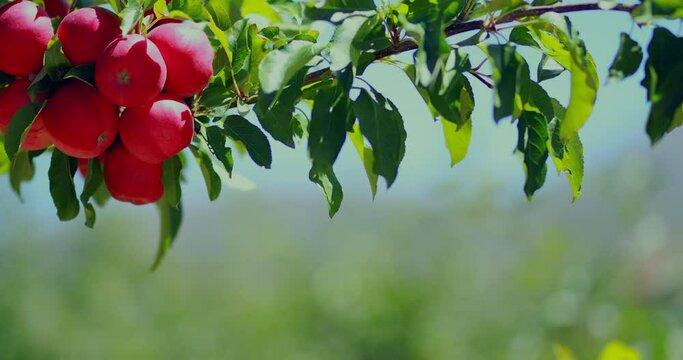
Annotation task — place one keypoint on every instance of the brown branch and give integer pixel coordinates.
(462, 27)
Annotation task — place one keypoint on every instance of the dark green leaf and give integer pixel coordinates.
(56, 63)
(663, 79)
(172, 172)
(85, 73)
(18, 127)
(327, 133)
(21, 170)
(203, 157)
(627, 60)
(93, 181)
(275, 113)
(533, 139)
(382, 124)
(170, 218)
(256, 143)
(568, 157)
(62, 169)
(216, 137)
(511, 78)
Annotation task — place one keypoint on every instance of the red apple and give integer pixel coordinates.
(158, 130)
(81, 122)
(25, 31)
(86, 32)
(130, 179)
(130, 71)
(12, 98)
(188, 55)
(57, 8)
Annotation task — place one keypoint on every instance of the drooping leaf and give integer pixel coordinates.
(216, 137)
(663, 79)
(170, 218)
(203, 157)
(382, 124)
(533, 139)
(62, 189)
(253, 139)
(171, 174)
(19, 126)
(366, 156)
(275, 111)
(327, 133)
(628, 58)
(21, 170)
(4, 159)
(567, 157)
(457, 139)
(511, 80)
(93, 181)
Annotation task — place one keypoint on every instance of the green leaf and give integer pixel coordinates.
(342, 50)
(130, 15)
(548, 69)
(663, 79)
(55, 62)
(331, 7)
(62, 189)
(223, 12)
(366, 156)
(533, 139)
(19, 126)
(4, 159)
(261, 8)
(275, 111)
(253, 139)
(382, 124)
(171, 175)
(511, 78)
(170, 218)
(279, 66)
(93, 181)
(85, 73)
(627, 60)
(425, 22)
(203, 157)
(223, 153)
(553, 34)
(457, 139)
(5, 79)
(327, 133)
(657, 9)
(21, 170)
(568, 157)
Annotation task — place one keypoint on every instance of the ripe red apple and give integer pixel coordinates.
(188, 55)
(25, 31)
(80, 121)
(130, 179)
(12, 98)
(158, 130)
(57, 8)
(85, 32)
(130, 71)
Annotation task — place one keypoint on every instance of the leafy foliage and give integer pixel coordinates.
(271, 59)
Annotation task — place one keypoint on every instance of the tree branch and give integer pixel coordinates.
(461, 27)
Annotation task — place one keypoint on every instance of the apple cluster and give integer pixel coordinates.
(135, 115)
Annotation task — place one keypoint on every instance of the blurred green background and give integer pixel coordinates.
(448, 264)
